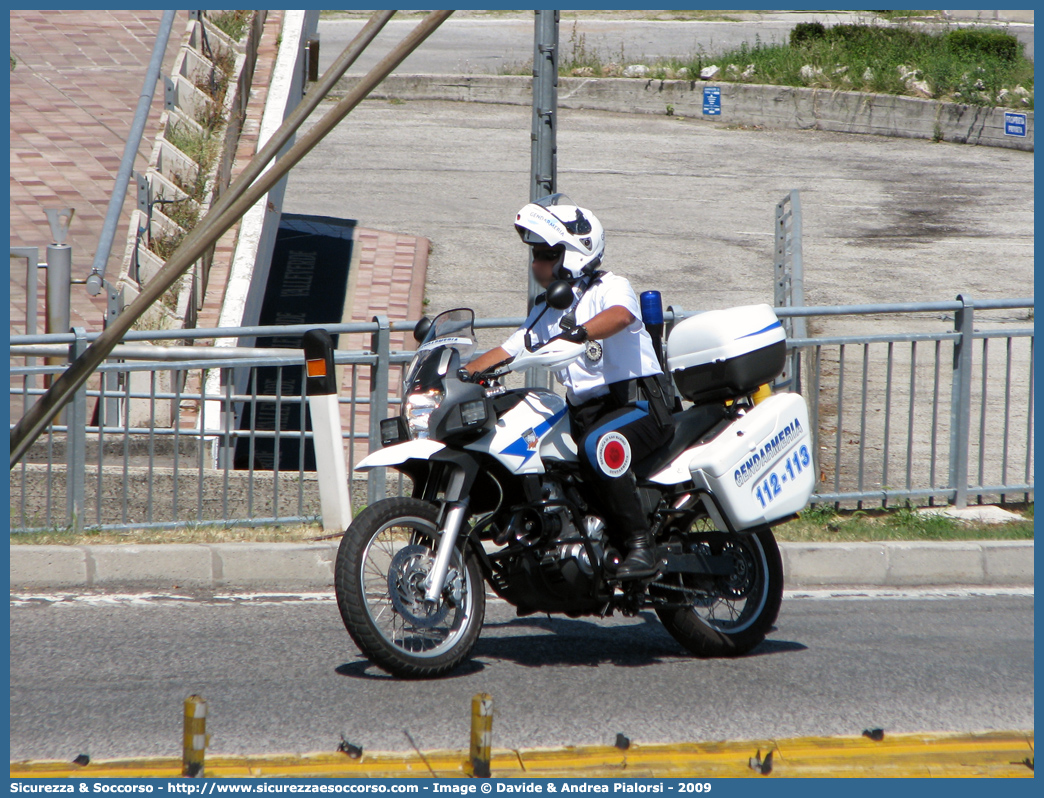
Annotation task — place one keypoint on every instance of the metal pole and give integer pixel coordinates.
(58, 292)
(790, 282)
(380, 344)
(32, 277)
(76, 444)
(130, 151)
(960, 402)
(544, 150)
(239, 198)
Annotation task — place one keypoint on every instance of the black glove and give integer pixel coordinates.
(575, 335)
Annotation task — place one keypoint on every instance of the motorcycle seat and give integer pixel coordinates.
(689, 426)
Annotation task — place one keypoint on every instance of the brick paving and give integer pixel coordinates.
(74, 90)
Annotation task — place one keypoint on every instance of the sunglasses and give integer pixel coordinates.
(545, 254)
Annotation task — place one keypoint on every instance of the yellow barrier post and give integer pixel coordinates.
(481, 734)
(194, 743)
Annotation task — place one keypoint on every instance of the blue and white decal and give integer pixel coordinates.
(775, 483)
(525, 445)
(446, 342)
(774, 326)
(757, 460)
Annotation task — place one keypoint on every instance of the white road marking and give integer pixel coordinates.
(259, 599)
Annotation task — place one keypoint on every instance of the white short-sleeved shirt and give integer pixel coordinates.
(625, 356)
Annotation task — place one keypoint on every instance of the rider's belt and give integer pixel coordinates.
(629, 392)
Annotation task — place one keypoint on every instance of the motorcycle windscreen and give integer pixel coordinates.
(454, 329)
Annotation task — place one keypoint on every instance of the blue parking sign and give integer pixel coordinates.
(1014, 124)
(712, 101)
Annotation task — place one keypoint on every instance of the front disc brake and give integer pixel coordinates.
(406, 576)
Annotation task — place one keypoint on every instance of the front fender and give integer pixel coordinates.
(421, 449)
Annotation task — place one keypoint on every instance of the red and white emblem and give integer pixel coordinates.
(614, 454)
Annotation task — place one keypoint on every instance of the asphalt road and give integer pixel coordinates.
(108, 677)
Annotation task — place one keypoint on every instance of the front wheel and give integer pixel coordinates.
(726, 615)
(380, 576)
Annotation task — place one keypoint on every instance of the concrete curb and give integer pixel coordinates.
(994, 754)
(309, 566)
(786, 107)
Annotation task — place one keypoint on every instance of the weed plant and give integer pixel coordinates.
(974, 66)
(232, 23)
(182, 212)
(200, 147)
(165, 244)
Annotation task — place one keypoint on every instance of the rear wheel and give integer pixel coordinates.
(726, 616)
(382, 565)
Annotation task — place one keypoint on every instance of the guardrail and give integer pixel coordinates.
(937, 415)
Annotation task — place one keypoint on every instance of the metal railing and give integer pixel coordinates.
(197, 436)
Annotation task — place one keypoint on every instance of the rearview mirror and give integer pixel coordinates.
(560, 295)
(421, 329)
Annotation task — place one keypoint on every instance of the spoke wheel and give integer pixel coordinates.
(726, 616)
(381, 573)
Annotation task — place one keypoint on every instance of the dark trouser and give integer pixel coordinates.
(615, 498)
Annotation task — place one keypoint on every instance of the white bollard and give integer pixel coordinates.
(328, 440)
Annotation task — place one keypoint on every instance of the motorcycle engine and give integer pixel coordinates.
(550, 568)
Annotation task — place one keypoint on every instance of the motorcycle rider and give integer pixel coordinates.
(616, 402)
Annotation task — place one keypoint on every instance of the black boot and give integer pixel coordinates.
(640, 561)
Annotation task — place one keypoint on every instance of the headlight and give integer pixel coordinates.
(417, 409)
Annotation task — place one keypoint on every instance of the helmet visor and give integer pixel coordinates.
(529, 237)
(547, 253)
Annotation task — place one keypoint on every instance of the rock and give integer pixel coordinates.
(613, 70)
(1021, 91)
(919, 88)
(811, 74)
(868, 75)
(636, 71)
(583, 72)
(979, 84)
(732, 71)
(709, 73)
(748, 73)
(683, 74)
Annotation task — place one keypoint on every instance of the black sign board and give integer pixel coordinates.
(307, 284)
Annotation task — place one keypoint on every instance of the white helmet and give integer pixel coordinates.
(556, 221)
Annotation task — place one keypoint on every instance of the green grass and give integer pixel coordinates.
(200, 147)
(824, 524)
(194, 534)
(975, 66)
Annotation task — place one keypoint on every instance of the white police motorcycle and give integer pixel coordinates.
(497, 499)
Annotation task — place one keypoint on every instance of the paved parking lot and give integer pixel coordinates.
(688, 205)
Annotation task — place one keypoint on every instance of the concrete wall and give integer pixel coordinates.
(248, 276)
(1023, 15)
(786, 107)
